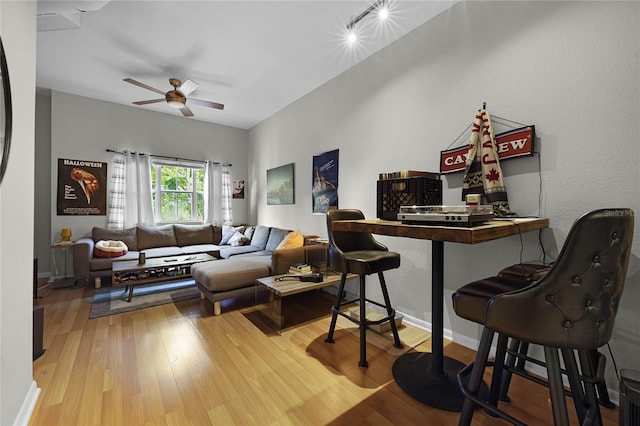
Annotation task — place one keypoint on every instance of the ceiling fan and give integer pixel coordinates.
(177, 97)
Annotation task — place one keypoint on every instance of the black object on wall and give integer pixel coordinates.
(6, 113)
(38, 331)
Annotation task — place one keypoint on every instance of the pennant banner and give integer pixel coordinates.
(511, 144)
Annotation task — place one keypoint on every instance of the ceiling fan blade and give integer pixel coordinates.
(151, 101)
(186, 111)
(208, 104)
(144, 86)
(188, 87)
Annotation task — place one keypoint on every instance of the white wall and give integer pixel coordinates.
(18, 391)
(569, 68)
(82, 128)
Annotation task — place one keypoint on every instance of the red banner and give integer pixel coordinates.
(511, 144)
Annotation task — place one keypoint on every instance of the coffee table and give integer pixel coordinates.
(281, 289)
(157, 269)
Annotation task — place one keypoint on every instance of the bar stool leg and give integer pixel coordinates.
(593, 416)
(556, 390)
(390, 311)
(335, 309)
(477, 372)
(363, 324)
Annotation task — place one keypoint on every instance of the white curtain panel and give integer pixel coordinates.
(115, 206)
(227, 214)
(130, 201)
(138, 204)
(217, 194)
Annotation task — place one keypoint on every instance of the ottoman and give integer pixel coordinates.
(228, 278)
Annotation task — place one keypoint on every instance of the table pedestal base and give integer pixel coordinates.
(413, 372)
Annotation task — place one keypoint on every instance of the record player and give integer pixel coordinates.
(445, 215)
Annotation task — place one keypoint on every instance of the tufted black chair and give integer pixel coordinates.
(518, 351)
(571, 308)
(359, 253)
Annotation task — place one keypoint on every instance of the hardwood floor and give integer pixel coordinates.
(176, 365)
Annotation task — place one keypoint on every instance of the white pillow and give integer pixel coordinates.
(228, 232)
(238, 239)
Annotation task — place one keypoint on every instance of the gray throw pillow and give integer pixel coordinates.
(275, 237)
(260, 237)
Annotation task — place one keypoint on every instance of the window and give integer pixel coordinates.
(177, 190)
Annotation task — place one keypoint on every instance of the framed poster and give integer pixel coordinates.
(280, 185)
(324, 188)
(82, 187)
(238, 189)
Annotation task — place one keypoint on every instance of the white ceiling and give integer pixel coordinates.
(256, 57)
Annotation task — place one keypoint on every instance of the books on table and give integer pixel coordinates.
(300, 268)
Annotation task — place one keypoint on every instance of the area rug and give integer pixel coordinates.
(410, 336)
(113, 300)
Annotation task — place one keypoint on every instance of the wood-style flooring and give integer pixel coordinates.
(176, 364)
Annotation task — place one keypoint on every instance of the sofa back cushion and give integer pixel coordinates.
(217, 234)
(189, 235)
(275, 238)
(156, 236)
(127, 236)
(260, 237)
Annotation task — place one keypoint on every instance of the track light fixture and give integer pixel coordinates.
(383, 14)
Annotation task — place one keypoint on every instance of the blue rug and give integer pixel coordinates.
(113, 300)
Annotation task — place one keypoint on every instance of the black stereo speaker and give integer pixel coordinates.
(629, 398)
(38, 331)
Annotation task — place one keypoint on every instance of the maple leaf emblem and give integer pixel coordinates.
(492, 176)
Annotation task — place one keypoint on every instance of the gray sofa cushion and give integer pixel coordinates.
(156, 236)
(163, 251)
(228, 251)
(260, 237)
(105, 263)
(222, 275)
(127, 236)
(275, 237)
(188, 235)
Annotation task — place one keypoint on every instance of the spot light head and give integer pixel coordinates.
(383, 13)
(352, 37)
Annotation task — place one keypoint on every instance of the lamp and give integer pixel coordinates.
(65, 233)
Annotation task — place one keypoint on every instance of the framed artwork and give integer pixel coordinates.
(324, 187)
(238, 189)
(82, 187)
(280, 185)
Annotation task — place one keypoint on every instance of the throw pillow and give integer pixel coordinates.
(249, 232)
(238, 239)
(110, 249)
(227, 233)
(291, 240)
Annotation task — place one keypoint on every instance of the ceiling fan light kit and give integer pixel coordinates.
(177, 97)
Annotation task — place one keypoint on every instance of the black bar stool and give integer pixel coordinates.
(359, 253)
(572, 308)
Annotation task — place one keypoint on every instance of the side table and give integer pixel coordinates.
(59, 276)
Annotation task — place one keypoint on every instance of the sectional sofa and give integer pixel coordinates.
(244, 254)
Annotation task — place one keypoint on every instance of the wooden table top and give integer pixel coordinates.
(488, 231)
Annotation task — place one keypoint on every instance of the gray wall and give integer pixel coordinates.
(82, 128)
(42, 189)
(569, 68)
(18, 391)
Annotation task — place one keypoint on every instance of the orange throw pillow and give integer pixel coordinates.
(291, 240)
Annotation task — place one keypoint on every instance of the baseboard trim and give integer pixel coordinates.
(29, 403)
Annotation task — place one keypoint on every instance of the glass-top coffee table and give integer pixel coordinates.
(157, 269)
